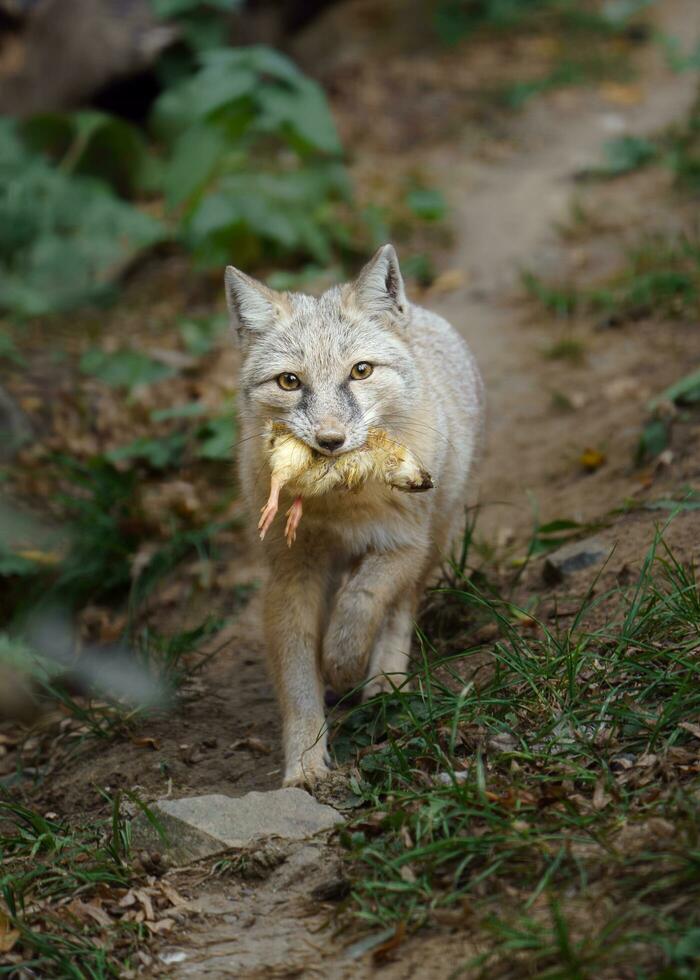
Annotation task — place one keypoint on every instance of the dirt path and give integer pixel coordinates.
(506, 201)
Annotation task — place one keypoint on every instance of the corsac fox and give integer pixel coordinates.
(339, 606)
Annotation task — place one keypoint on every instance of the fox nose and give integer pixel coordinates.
(330, 434)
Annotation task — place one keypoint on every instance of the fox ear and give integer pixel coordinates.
(253, 306)
(379, 287)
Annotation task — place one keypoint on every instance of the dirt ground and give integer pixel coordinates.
(510, 186)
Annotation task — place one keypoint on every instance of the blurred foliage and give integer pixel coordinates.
(661, 274)
(454, 19)
(243, 149)
(677, 149)
(252, 158)
(63, 237)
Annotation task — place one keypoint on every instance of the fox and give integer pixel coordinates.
(339, 608)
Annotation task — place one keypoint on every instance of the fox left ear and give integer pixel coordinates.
(379, 288)
(254, 307)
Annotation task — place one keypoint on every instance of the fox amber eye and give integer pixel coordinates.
(361, 370)
(288, 381)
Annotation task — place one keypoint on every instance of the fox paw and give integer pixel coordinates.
(307, 775)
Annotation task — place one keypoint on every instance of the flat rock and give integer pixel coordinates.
(200, 826)
(574, 557)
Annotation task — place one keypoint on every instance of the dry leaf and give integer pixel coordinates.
(8, 935)
(592, 460)
(173, 896)
(163, 925)
(621, 94)
(253, 744)
(40, 557)
(448, 281)
(89, 910)
(383, 952)
(691, 727)
(146, 902)
(146, 742)
(600, 797)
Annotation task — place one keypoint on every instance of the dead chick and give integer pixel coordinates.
(308, 473)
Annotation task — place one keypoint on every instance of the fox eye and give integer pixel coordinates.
(290, 382)
(361, 370)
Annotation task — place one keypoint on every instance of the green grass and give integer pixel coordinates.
(46, 867)
(660, 275)
(546, 800)
(677, 150)
(567, 349)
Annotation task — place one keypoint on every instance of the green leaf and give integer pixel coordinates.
(158, 453)
(90, 143)
(627, 153)
(63, 239)
(653, 440)
(199, 335)
(124, 368)
(685, 391)
(8, 350)
(217, 438)
(165, 9)
(427, 204)
(187, 411)
(14, 564)
(304, 110)
(195, 156)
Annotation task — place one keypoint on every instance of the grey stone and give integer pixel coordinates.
(574, 557)
(15, 428)
(201, 826)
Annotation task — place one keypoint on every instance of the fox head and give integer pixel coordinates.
(328, 368)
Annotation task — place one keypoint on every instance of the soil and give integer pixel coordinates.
(510, 184)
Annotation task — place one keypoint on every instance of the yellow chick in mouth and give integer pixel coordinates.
(308, 473)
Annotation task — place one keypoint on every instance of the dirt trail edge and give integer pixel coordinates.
(505, 210)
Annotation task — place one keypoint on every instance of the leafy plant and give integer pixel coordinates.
(63, 239)
(125, 368)
(253, 157)
(92, 144)
(626, 154)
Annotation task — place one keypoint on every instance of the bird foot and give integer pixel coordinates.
(267, 516)
(293, 520)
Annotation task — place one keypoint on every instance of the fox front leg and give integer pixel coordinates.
(361, 608)
(293, 602)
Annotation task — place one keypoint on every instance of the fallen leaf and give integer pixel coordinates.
(600, 797)
(384, 951)
(163, 925)
(146, 902)
(147, 742)
(691, 727)
(89, 910)
(253, 744)
(592, 460)
(8, 935)
(173, 896)
(40, 557)
(448, 281)
(619, 94)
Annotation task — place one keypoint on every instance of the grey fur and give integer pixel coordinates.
(340, 604)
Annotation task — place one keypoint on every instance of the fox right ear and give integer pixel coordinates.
(253, 306)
